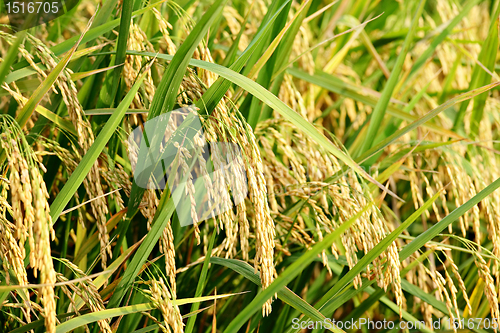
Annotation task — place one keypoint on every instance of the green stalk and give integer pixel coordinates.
(380, 109)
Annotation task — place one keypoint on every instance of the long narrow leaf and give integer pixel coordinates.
(93, 153)
(110, 313)
(290, 273)
(432, 232)
(285, 294)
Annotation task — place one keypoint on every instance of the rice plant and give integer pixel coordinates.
(250, 166)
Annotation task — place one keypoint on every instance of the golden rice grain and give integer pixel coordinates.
(92, 182)
(489, 290)
(87, 291)
(162, 300)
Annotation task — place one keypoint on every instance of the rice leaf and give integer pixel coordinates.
(92, 154)
(79, 321)
(290, 272)
(432, 232)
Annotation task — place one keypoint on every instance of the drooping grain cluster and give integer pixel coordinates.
(465, 167)
(68, 90)
(216, 130)
(30, 211)
(301, 176)
(85, 291)
(162, 299)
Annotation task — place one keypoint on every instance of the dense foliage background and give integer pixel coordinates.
(369, 137)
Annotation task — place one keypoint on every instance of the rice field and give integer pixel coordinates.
(250, 166)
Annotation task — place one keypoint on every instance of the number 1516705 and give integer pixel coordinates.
(474, 323)
(31, 7)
